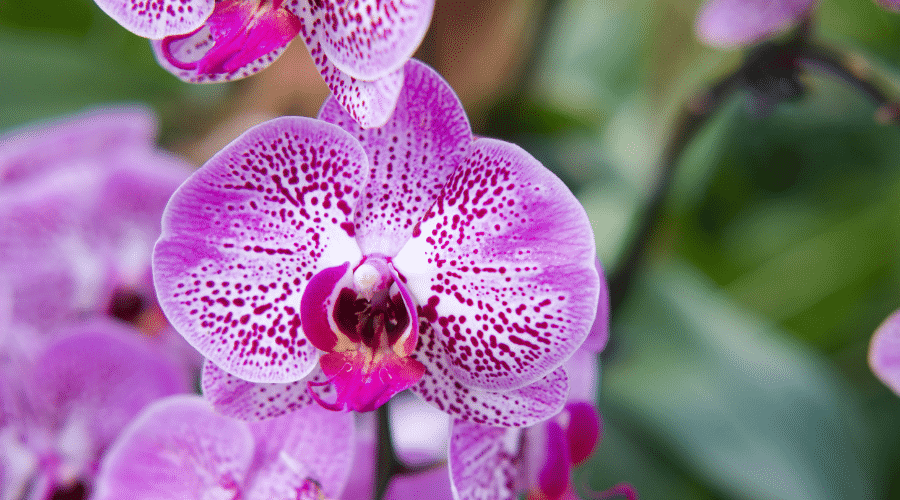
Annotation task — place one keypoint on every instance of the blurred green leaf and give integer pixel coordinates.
(731, 398)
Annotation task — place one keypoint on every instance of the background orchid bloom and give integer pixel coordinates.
(359, 48)
(65, 403)
(884, 352)
(313, 255)
(179, 447)
(80, 205)
(735, 23)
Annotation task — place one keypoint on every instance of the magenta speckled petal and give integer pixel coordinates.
(318, 442)
(483, 461)
(101, 375)
(180, 58)
(158, 18)
(238, 398)
(503, 265)
(884, 352)
(245, 233)
(177, 448)
(889, 4)
(368, 39)
(733, 23)
(516, 408)
(92, 136)
(412, 157)
(370, 103)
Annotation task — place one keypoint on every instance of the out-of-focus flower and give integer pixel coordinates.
(65, 404)
(358, 47)
(735, 23)
(316, 254)
(180, 447)
(884, 352)
(80, 207)
(730, 24)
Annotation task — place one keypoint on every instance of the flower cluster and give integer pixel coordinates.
(83, 347)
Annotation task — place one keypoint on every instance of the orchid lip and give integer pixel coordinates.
(366, 322)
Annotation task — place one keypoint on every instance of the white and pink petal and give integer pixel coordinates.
(367, 39)
(412, 157)
(243, 236)
(370, 103)
(254, 401)
(503, 267)
(156, 19)
(521, 407)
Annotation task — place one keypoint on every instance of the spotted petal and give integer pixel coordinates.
(245, 233)
(889, 4)
(483, 461)
(252, 401)
(156, 19)
(732, 23)
(177, 448)
(180, 57)
(412, 155)
(884, 352)
(503, 265)
(370, 103)
(515, 408)
(369, 39)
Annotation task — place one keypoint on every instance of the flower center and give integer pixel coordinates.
(366, 322)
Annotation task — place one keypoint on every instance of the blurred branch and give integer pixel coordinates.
(770, 74)
(854, 70)
(691, 119)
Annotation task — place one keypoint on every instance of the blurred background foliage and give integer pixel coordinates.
(737, 367)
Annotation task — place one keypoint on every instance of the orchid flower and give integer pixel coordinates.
(80, 204)
(358, 47)
(314, 260)
(730, 24)
(179, 447)
(66, 406)
(884, 352)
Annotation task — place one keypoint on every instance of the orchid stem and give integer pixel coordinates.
(691, 119)
(388, 464)
(697, 112)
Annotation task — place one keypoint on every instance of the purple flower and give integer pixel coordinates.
(315, 260)
(735, 23)
(884, 352)
(359, 47)
(66, 403)
(80, 207)
(180, 447)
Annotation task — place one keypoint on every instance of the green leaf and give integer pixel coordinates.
(729, 397)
